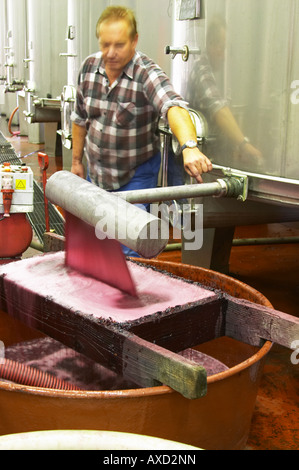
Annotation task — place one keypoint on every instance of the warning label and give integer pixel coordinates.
(21, 185)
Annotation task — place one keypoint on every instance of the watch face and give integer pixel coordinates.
(191, 144)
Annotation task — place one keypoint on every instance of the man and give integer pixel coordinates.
(121, 94)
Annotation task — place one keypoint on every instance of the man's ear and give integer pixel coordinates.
(135, 41)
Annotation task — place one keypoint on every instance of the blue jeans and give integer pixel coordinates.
(146, 177)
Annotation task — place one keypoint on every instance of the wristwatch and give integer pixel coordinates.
(190, 144)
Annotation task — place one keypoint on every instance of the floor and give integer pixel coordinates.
(273, 270)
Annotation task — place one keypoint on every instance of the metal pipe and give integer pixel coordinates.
(137, 229)
(116, 218)
(265, 241)
(37, 246)
(265, 188)
(218, 188)
(41, 115)
(166, 141)
(173, 247)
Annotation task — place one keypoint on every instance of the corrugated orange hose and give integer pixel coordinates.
(10, 122)
(26, 375)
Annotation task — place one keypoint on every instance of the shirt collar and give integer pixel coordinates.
(100, 66)
(128, 70)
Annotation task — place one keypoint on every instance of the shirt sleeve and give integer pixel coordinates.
(160, 91)
(78, 116)
(170, 104)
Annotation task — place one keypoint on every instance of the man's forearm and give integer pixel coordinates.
(181, 124)
(195, 162)
(78, 135)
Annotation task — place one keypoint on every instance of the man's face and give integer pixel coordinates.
(116, 45)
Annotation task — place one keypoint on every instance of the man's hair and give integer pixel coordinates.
(118, 13)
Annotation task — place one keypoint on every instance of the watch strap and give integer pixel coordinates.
(185, 146)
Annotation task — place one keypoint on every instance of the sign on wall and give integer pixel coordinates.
(188, 9)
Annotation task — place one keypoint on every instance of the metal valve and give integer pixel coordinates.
(184, 51)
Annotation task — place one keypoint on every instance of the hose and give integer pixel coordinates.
(10, 122)
(26, 375)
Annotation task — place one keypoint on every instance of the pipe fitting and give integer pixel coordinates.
(236, 187)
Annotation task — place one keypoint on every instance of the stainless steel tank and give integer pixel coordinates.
(11, 54)
(241, 57)
(250, 50)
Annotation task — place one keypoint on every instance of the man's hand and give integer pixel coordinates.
(196, 163)
(78, 169)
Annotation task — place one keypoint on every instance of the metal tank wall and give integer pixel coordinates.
(15, 31)
(259, 78)
(34, 31)
(12, 52)
(46, 26)
(2, 52)
(80, 38)
(2, 36)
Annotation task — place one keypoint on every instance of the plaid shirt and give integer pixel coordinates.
(121, 120)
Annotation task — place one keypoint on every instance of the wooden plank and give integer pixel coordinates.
(185, 328)
(254, 324)
(106, 342)
(144, 362)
